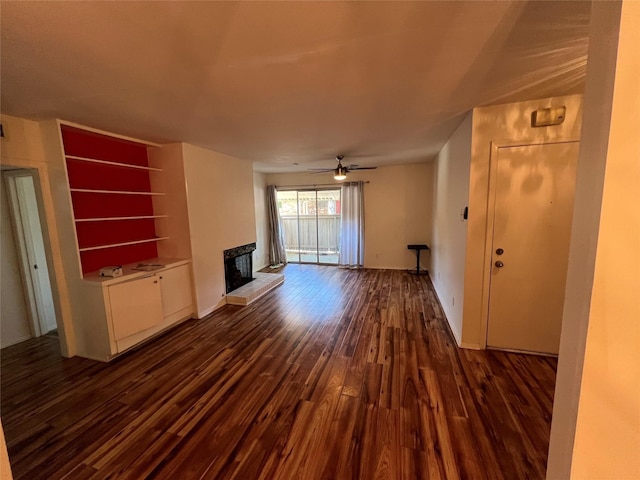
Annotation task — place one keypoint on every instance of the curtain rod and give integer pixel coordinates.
(299, 187)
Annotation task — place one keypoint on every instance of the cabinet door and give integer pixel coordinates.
(135, 306)
(175, 284)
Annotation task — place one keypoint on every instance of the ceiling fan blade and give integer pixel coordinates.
(319, 170)
(362, 168)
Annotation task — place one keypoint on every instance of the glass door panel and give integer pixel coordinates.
(311, 225)
(307, 227)
(328, 208)
(288, 208)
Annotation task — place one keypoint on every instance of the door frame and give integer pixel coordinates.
(316, 189)
(22, 234)
(495, 147)
(52, 246)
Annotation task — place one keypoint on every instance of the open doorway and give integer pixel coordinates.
(28, 308)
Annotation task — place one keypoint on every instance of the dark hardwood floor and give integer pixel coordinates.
(337, 374)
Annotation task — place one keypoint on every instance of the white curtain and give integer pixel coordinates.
(352, 225)
(277, 253)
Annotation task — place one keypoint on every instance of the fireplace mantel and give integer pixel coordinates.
(237, 251)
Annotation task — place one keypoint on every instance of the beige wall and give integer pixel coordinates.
(501, 124)
(451, 194)
(398, 208)
(172, 182)
(14, 321)
(24, 146)
(221, 216)
(603, 304)
(21, 141)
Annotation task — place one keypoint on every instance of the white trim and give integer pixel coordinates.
(108, 134)
(210, 310)
(106, 219)
(117, 192)
(113, 164)
(526, 352)
(113, 245)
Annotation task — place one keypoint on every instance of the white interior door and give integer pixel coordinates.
(534, 194)
(26, 217)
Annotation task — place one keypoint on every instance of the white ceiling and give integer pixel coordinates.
(278, 83)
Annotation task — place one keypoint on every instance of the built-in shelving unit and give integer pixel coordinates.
(110, 186)
(123, 244)
(106, 219)
(117, 192)
(115, 164)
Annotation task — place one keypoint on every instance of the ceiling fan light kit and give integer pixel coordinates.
(340, 172)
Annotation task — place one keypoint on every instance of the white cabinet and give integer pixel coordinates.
(122, 312)
(175, 286)
(135, 306)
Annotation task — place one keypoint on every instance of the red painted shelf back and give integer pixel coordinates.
(81, 143)
(99, 205)
(94, 260)
(97, 176)
(93, 234)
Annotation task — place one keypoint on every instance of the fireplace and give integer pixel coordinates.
(238, 266)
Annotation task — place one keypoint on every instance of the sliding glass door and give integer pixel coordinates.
(311, 224)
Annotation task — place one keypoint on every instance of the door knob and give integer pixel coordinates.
(499, 264)
(499, 251)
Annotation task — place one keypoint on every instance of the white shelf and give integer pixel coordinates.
(105, 219)
(113, 245)
(115, 164)
(117, 192)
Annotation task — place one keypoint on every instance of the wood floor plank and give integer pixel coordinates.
(337, 374)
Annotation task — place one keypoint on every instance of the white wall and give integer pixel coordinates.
(500, 123)
(24, 146)
(171, 181)
(451, 195)
(261, 254)
(598, 370)
(397, 205)
(221, 216)
(14, 321)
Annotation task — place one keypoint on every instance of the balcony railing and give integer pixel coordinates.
(325, 238)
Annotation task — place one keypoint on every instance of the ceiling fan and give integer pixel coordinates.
(340, 172)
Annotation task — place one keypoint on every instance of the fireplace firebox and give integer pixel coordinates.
(238, 266)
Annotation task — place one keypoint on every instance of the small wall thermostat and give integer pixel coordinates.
(544, 117)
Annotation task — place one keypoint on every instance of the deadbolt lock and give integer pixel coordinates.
(499, 251)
